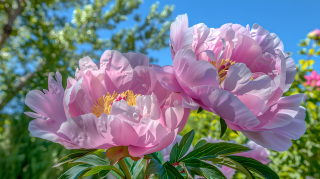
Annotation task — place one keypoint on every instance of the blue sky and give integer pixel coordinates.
(291, 20)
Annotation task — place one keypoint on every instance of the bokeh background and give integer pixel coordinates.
(40, 37)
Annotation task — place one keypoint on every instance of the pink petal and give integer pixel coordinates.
(145, 83)
(86, 63)
(149, 107)
(192, 72)
(246, 50)
(296, 128)
(281, 113)
(83, 131)
(227, 106)
(50, 104)
(176, 30)
(165, 142)
(136, 59)
(270, 140)
(166, 77)
(47, 129)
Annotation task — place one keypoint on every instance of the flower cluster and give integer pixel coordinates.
(123, 102)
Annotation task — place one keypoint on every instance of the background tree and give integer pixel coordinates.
(37, 39)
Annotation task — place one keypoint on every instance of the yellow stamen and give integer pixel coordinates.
(103, 104)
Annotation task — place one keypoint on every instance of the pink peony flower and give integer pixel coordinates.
(315, 34)
(237, 73)
(313, 79)
(119, 104)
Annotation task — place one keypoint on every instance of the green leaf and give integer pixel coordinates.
(183, 147)
(137, 171)
(158, 156)
(73, 157)
(199, 144)
(232, 164)
(153, 167)
(169, 172)
(98, 169)
(210, 149)
(92, 160)
(211, 174)
(174, 153)
(135, 166)
(255, 166)
(104, 173)
(223, 127)
(203, 165)
(199, 110)
(75, 172)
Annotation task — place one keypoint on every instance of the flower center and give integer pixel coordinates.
(223, 68)
(103, 104)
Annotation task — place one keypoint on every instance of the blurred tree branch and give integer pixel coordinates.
(12, 15)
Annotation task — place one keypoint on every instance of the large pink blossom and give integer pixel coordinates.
(237, 73)
(313, 79)
(120, 103)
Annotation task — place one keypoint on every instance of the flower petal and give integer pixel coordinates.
(227, 106)
(136, 59)
(192, 72)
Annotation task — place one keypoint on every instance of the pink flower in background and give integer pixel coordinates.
(315, 34)
(117, 104)
(313, 79)
(237, 73)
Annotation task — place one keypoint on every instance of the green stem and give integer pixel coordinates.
(124, 168)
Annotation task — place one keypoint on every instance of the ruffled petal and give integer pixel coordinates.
(47, 129)
(282, 113)
(176, 30)
(86, 63)
(270, 140)
(136, 59)
(140, 151)
(192, 72)
(296, 128)
(227, 106)
(50, 104)
(166, 77)
(83, 131)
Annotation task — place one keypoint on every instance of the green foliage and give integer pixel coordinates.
(43, 41)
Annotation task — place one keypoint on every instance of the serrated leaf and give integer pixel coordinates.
(199, 110)
(203, 165)
(73, 157)
(75, 172)
(255, 166)
(210, 149)
(223, 127)
(232, 164)
(98, 169)
(92, 160)
(169, 172)
(183, 147)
